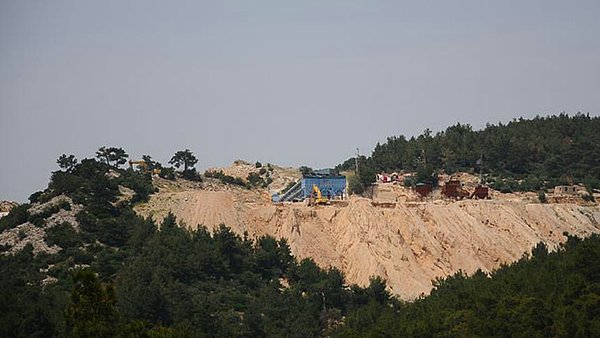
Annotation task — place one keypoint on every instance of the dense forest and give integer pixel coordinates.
(521, 155)
(119, 275)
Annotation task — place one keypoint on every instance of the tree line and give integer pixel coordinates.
(521, 155)
(120, 275)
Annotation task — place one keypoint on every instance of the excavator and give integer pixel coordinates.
(143, 166)
(316, 198)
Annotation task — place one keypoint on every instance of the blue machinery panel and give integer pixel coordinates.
(330, 186)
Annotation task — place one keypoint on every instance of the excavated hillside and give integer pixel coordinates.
(407, 242)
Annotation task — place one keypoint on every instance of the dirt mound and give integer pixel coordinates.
(281, 176)
(409, 244)
(7, 206)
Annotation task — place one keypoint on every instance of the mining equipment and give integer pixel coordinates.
(480, 192)
(143, 167)
(453, 189)
(423, 189)
(330, 184)
(316, 197)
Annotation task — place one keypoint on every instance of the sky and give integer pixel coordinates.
(286, 82)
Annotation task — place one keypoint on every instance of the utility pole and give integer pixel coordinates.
(481, 169)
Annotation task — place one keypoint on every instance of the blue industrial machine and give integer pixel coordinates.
(329, 183)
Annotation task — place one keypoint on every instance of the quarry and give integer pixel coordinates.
(393, 232)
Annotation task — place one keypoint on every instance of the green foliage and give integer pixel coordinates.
(542, 196)
(191, 175)
(355, 185)
(18, 215)
(36, 197)
(139, 182)
(26, 311)
(112, 156)
(67, 163)
(167, 173)
(167, 281)
(548, 294)
(39, 218)
(184, 158)
(522, 155)
(304, 170)
(256, 180)
(91, 312)
(427, 175)
(226, 179)
(258, 164)
(150, 163)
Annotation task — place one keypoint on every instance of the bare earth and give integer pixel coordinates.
(409, 244)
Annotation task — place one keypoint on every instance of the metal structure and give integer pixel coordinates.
(331, 186)
(423, 189)
(481, 192)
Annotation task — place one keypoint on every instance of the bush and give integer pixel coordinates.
(258, 164)
(542, 196)
(589, 198)
(531, 183)
(589, 188)
(138, 182)
(18, 215)
(266, 182)
(254, 179)
(226, 179)
(63, 235)
(66, 183)
(355, 185)
(39, 219)
(191, 175)
(167, 173)
(33, 198)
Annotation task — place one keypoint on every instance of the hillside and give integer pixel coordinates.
(409, 245)
(82, 259)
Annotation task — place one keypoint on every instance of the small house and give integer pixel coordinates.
(566, 190)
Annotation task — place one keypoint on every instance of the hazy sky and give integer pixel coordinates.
(288, 82)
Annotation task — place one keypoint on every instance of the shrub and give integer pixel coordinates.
(254, 179)
(191, 175)
(63, 235)
(266, 182)
(33, 198)
(258, 164)
(167, 173)
(138, 182)
(542, 196)
(588, 197)
(226, 179)
(355, 185)
(18, 215)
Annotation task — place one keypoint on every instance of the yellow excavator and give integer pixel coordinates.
(316, 198)
(143, 167)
